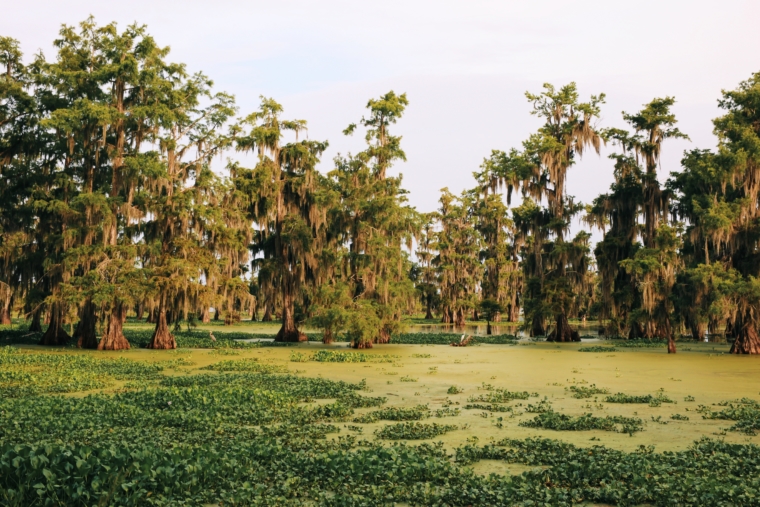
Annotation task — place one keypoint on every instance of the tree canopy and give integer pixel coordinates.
(114, 202)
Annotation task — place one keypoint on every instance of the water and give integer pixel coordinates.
(513, 328)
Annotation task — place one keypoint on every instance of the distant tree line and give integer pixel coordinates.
(109, 206)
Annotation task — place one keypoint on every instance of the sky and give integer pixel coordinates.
(464, 65)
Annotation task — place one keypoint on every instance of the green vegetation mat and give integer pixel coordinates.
(243, 431)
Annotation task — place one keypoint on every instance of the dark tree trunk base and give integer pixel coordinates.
(5, 317)
(537, 328)
(747, 341)
(488, 327)
(85, 333)
(113, 338)
(383, 337)
(671, 345)
(327, 337)
(162, 339)
(361, 345)
(429, 315)
(55, 335)
(35, 326)
(459, 319)
(205, 316)
(290, 335)
(563, 332)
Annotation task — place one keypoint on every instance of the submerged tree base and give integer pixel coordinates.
(291, 335)
(747, 341)
(563, 332)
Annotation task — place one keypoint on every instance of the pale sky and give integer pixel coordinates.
(464, 65)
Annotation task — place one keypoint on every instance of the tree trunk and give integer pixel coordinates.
(538, 327)
(361, 345)
(35, 326)
(459, 318)
(635, 332)
(488, 327)
(140, 310)
(162, 338)
(85, 333)
(697, 331)
(384, 336)
(289, 332)
(267, 313)
(429, 314)
(113, 337)
(5, 311)
(55, 335)
(327, 337)
(747, 340)
(475, 315)
(216, 314)
(562, 331)
(446, 315)
(665, 330)
(205, 315)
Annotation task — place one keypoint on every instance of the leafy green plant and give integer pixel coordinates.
(446, 412)
(563, 422)
(413, 431)
(329, 356)
(499, 396)
(745, 412)
(582, 392)
(491, 407)
(648, 398)
(251, 365)
(597, 348)
(395, 414)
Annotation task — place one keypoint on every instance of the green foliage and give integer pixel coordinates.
(413, 431)
(563, 422)
(252, 365)
(23, 373)
(491, 407)
(641, 344)
(541, 407)
(648, 398)
(395, 414)
(745, 412)
(329, 356)
(499, 396)
(195, 340)
(597, 348)
(446, 412)
(454, 390)
(582, 392)
(679, 417)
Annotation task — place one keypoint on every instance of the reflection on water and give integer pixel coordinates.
(512, 328)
